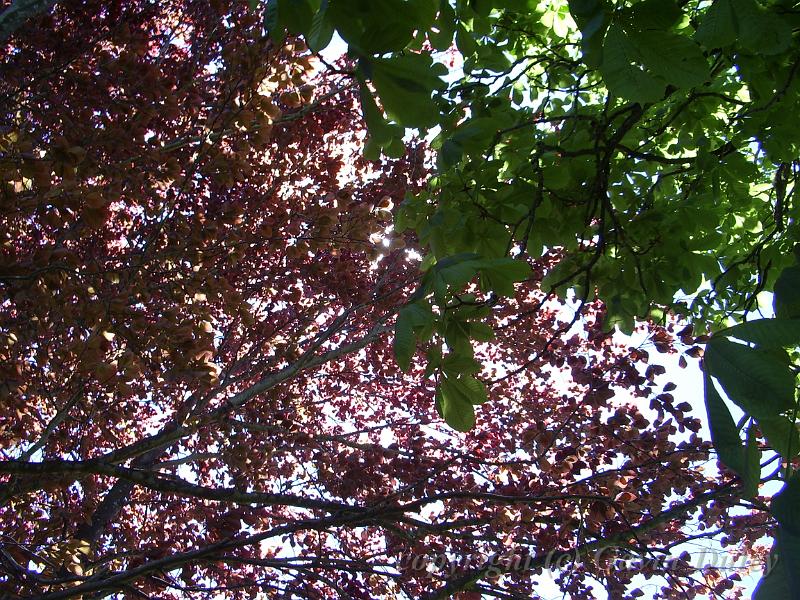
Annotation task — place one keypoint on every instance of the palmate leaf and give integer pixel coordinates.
(405, 85)
(456, 408)
(456, 273)
(759, 29)
(789, 548)
(672, 57)
(767, 333)
(455, 364)
(785, 505)
(380, 131)
(783, 581)
(655, 14)
(470, 389)
(500, 274)
(592, 17)
(786, 298)
(746, 23)
(717, 26)
(475, 134)
(782, 435)
(638, 64)
(320, 32)
(298, 14)
(724, 434)
(404, 339)
(414, 320)
(585, 9)
(272, 22)
(442, 37)
(774, 585)
(481, 332)
(753, 378)
(751, 475)
(621, 72)
(377, 27)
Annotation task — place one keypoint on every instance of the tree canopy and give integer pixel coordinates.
(278, 324)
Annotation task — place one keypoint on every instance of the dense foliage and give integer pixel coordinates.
(244, 319)
(653, 142)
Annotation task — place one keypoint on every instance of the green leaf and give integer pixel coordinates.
(465, 42)
(439, 401)
(297, 15)
(396, 148)
(475, 135)
(456, 364)
(320, 33)
(442, 39)
(492, 238)
(789, 549)
(450, 154)
(467, 388)
(457, 410)
(655, 14)
(672, 57)
(786, 299)
(421, 317)
(724, 434)
(481, 332)
(592, 19)
(767, 333)
(752, 464)
(717, 26)
(592, 45)
(372, 149)
(405, 85)
(585, 9)
(500, 274)
(456, 274)
(474, 389)
(557, 177)
(380, 27)
(781, 433)
(619, 315)
(482, 7)
(455, 259)
(434, 356)
(379, 130)
(272, 22)
(456, 335)
(774, 585)
(760, 30)
(621, 72)
(785, 505)
(509, 268)
(753, 378)
(404, 339)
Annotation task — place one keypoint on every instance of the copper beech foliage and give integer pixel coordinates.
(199, 397)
